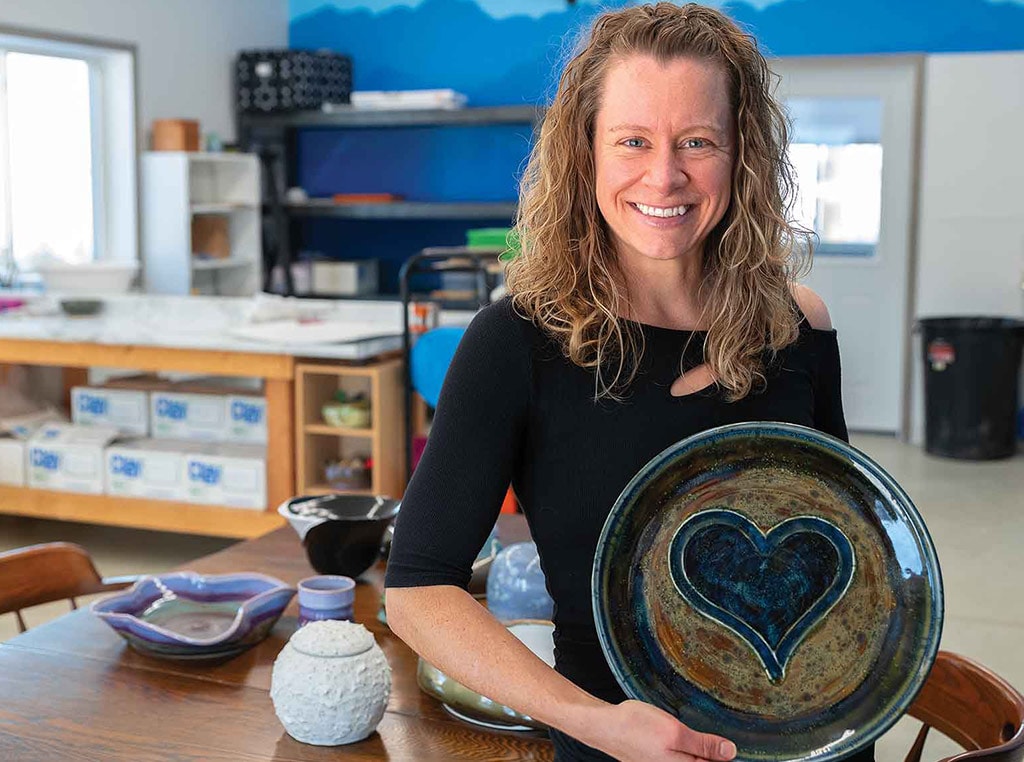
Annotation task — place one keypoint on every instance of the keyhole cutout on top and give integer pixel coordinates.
(693, 381)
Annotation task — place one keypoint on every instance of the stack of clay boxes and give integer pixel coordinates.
(199, 441)
(15, 432)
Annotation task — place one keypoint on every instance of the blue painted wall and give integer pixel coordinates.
(501, 52)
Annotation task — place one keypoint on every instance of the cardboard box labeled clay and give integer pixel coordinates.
(70, 458)
(152, 468)
(231, 475)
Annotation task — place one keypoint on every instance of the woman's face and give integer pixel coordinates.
(663, 154)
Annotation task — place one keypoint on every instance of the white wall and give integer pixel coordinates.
(184, 47)
(971, 200)
(971, 223)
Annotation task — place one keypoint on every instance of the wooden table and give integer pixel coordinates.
(72, 689)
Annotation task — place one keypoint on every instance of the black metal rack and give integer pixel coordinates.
(440, 259)
(274, 138)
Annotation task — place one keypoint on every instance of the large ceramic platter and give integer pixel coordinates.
(770, 584)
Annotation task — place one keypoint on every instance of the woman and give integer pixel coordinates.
(653, 299)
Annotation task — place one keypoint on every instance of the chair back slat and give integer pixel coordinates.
(44, 573)
(974, 707)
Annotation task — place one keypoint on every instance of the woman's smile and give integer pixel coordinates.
(661, 215)
(663, 156)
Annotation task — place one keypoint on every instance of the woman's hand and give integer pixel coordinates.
(635, 731)
(460, 637)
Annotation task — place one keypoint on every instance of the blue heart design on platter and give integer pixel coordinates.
(771, 589)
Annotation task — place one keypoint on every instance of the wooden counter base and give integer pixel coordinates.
(138, 513)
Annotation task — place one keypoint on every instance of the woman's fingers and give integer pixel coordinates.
(637, 732)
(704, 746)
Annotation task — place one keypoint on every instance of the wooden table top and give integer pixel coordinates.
(72, 688)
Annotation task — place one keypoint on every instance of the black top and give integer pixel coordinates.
(513, 409)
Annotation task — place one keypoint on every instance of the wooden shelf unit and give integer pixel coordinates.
(383, 441)
(277, 372)
(139, 513)
(338, 431)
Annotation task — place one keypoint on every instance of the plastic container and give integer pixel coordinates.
(494, 238)
(89, 278)
(971, 385)
(347, 475)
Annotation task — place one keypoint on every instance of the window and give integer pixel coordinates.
(837, 154)
(67, 152)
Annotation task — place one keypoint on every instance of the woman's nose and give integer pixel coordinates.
(665, 172)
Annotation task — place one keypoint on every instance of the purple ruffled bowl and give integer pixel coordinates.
(184, 615)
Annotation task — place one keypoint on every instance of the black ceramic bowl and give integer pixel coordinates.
(341, 533)
(81, 307)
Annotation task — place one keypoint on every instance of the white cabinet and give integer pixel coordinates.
(178, 187)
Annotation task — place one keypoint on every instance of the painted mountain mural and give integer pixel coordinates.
(455, 43)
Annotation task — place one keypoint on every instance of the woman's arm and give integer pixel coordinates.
(451, 630)
(450, 506)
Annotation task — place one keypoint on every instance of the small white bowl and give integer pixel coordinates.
(90, 277)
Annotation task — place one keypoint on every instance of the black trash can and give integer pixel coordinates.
(972, 370)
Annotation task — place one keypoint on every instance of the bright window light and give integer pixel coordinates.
(837, 155)
(840, 194)
(50, 182)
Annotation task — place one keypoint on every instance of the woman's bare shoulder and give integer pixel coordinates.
(812, 306)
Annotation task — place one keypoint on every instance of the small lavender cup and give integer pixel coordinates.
(326, 596)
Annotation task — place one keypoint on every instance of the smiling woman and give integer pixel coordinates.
(653, 224)
(662, 109)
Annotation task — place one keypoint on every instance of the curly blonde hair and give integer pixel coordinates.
(567, 278)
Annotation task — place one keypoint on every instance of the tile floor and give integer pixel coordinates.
(974, 511)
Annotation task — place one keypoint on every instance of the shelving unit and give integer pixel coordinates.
(75, 358)
(220, 264)
(275, 135)
(347, 116)
(176, 188)
(404, 210)
(318, 443)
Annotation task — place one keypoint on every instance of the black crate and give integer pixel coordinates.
(269, 81)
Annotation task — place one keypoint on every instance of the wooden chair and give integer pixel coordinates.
(49, 572)
(974, 707)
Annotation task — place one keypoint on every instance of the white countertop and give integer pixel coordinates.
(364, 328)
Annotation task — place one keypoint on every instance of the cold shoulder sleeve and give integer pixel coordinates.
(828, 393)
(455, 494)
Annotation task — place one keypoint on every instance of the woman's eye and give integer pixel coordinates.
(695, 143)
(633, 142)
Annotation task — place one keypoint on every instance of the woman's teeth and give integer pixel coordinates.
(657, 211)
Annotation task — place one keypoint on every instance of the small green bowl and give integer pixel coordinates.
(346, 415)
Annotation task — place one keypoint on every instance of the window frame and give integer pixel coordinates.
(114, 136)
(848, 130)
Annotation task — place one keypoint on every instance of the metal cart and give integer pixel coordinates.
(440, 260)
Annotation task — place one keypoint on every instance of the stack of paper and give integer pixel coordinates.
(407, 99)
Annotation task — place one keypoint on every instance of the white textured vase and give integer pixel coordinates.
(330, 683)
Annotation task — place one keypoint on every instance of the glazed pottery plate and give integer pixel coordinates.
(770, 584)
(468, 705)
(187, 616)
